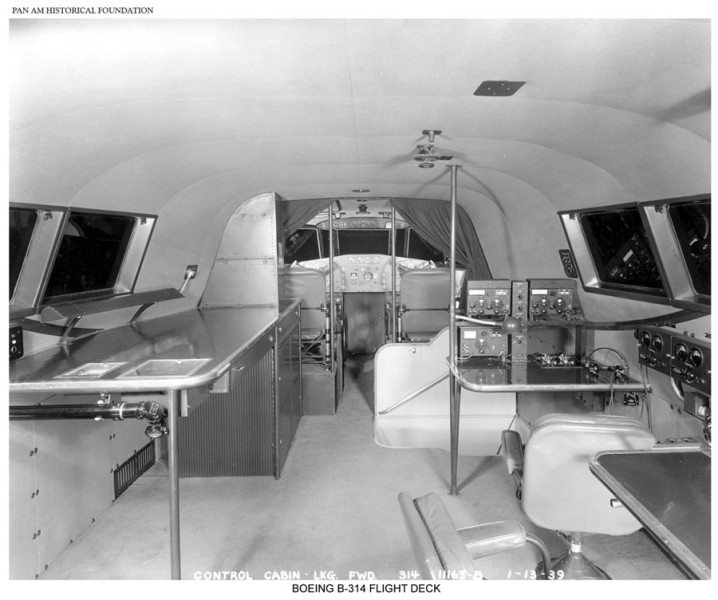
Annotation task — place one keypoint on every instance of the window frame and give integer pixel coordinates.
(29, 297)
(587, 270)
(669, 252)
(663, 243)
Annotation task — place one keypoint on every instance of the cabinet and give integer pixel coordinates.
(248, 428)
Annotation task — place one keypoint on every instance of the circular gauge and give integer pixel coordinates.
(368, 276)
(696, 357)
(681, 351)
(657, 343)
(645, 339)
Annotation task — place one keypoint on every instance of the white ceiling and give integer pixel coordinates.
(145, 113)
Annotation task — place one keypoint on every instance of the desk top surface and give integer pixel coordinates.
(669, 491)
(178, 351)
(481, 374)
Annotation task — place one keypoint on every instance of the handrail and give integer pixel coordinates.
(415, 393)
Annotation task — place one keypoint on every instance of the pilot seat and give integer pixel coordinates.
(424, 309)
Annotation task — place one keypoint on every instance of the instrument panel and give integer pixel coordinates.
(367, 272)
(362, 273)
(687, 359)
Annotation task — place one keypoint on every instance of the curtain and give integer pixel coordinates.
(295, 213)
(432, 221)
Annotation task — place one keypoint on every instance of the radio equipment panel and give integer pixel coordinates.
(554, 300)
(480, 340)
(488, 299)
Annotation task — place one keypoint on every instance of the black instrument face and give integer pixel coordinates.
(657, 343)
(695, 356)
(681, 351)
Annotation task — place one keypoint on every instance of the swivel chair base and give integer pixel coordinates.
(576, 566)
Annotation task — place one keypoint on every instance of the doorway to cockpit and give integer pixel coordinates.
(362, 252)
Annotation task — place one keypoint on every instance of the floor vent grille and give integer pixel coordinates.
(130, 470)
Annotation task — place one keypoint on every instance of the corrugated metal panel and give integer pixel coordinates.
(233, 433)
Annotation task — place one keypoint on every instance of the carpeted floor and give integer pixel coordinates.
(333, 510)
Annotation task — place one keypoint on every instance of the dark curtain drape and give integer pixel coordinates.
(430, 218)
(295, 213)
(432, 221)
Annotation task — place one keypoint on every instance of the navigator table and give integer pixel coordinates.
(668, 489)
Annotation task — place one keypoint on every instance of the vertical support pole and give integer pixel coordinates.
(331, 305)
(394, 332)
(454, 389)
(173, 450)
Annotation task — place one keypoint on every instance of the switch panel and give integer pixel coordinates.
(654, 348)
(519, 338)
(16, 343)
(569, 266)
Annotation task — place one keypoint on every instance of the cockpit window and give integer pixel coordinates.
(302, 245)
(620, 250)
(310, 244)
(22, 226)
(418, 248)
(364, 241)
(692, 224)
(90, 256)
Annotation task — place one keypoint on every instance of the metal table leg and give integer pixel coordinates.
(454, 413)
(173, 451)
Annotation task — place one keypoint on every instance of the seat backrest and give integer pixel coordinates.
(425, 297)
(310, 286)
(558, 489)
(438, 549)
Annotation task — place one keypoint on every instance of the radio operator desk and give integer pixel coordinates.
(488, 374)
(180, 356)
(668, 489)
(480, 374)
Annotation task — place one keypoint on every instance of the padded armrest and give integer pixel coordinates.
(453, 553)
(513, 451)
(492, 538)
